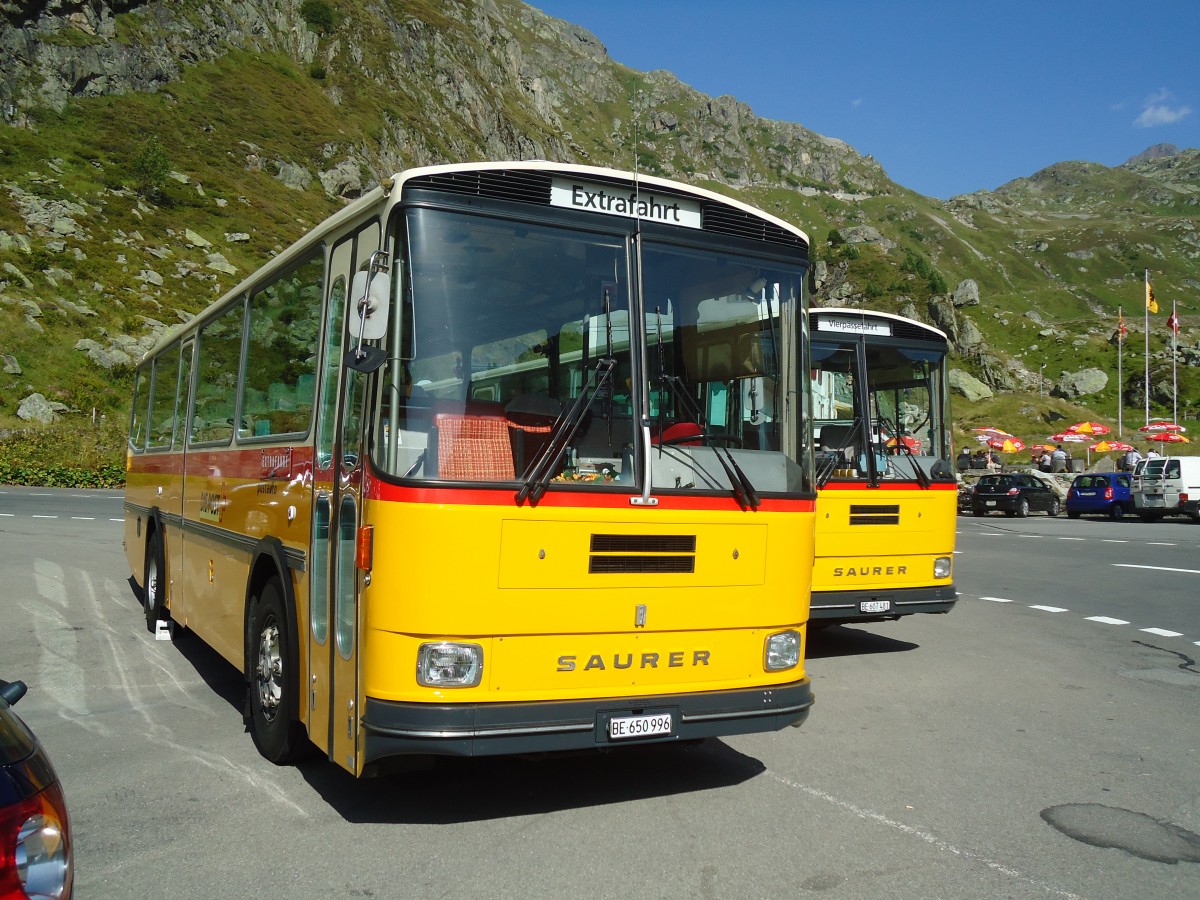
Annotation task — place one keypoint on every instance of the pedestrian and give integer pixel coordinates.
(1151, 453)
(1058, 459)
(1131, 458)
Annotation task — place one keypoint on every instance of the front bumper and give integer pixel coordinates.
(491, 729)
(847, 606)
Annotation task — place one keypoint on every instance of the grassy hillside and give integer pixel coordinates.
(129, 210)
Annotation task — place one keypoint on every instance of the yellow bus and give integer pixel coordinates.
(887, 490)
(503, 457)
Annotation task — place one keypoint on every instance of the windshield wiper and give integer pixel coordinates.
(743, 490)
(537, 476)
(890, 428)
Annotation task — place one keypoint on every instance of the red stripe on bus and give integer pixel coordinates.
(382, 490)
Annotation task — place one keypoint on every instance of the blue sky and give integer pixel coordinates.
(949, 96)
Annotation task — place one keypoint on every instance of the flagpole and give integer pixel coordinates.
(1120, 383)
(1146, 385)
(1174, 379)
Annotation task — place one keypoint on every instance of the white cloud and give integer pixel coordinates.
(1157, 111)
(856, 103)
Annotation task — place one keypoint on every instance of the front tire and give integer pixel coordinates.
(272, 681)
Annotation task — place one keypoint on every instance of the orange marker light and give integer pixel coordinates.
(364, 547)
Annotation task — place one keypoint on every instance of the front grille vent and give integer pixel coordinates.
(519, 185)
(868, 514)
(642, 553)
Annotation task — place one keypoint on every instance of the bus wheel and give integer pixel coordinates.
(271, 680)
(153, 587)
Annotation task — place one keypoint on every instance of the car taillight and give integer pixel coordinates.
(1183, 497)
(1012, 492)
(1108, 493)
(35, 847)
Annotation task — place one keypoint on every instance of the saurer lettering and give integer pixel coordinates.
(864, 571)
(599, 662)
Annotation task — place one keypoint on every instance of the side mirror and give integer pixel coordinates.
(369, 321)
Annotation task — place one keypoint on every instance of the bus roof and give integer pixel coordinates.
(391, 188)
(816, 312)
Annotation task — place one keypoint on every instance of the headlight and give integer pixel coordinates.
(782, 651)
(941, 567)
(449, 665)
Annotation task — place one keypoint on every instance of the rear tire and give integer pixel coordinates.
(1116, 511)
(271, 681)
(1054, 508)
(153, 586)
(1023, 509)
(978, 513)
(1073, 514)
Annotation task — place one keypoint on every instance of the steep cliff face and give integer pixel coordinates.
(154, 151)
(493, 78)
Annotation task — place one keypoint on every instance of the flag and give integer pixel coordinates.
(1173, 321)
(1122, 331)
(1151, 303)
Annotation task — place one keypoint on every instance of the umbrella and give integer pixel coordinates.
(984, 435)
(1069, 437)
(1118, 446)
(1006, 445)
(1089, 428)
(1168, 437)
(908, 440)
(1100, 446)
(1156, 427)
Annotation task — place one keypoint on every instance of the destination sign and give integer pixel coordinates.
(853, 326)
(629, 203)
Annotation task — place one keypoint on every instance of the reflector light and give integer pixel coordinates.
(364, 547)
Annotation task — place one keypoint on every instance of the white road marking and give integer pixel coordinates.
(1106, 620)
(996, 599)
(1112, 541)
(1158, 544)
(36, 516)
(83, 518)
(931, 839)
(1162, 632)
(1072, 539)
(1049, 608)
(1156, 568)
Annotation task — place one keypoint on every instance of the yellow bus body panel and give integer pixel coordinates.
(517, 581)
(861, 545)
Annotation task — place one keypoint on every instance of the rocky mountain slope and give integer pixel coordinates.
(156, 151)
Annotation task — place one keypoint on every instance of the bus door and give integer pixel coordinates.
(334, 616)
(177, 537)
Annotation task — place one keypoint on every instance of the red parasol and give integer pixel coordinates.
(1089, 428)
(1158, 427)
(908, 440)
(1110, 446)
(1068, 437)
(1007, 445)
(1168, 437)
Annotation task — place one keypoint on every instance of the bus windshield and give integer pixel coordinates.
(878, 410)
(523, 352)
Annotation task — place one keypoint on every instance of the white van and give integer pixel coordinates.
(1167, 486)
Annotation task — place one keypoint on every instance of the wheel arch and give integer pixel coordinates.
(268, 561)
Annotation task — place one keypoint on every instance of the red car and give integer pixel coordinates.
(35, 831)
